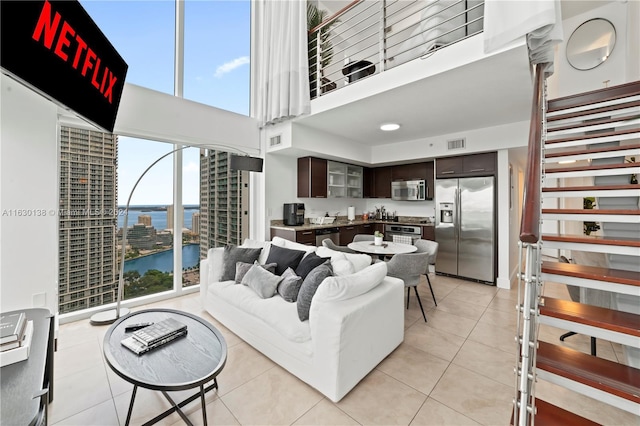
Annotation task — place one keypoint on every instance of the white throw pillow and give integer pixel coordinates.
(347, 286)
(341, 265)
(281, 242)
(359, 261)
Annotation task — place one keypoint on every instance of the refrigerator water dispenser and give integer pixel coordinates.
(446, 213)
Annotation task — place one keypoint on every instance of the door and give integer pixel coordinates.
(476, 234)
(446, 232)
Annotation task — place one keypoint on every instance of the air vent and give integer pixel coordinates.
(456, 144)
(275, 141)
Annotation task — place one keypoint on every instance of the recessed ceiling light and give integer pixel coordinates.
(566, 162)
(389, 127)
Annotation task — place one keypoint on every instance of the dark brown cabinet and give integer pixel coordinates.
(347, 233)
(312, 177)
(382, 182)
(466, 165)
(368, 182)
(415, 171)
(428, 233)
(307, 237)
(367, 228)
(430, 178)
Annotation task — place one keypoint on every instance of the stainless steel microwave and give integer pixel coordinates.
(408, 190)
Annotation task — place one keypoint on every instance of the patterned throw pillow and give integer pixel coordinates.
(289, 287)
(309, 287)
(234, 254)
(242, 268)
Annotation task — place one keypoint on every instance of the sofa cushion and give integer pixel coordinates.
(341, 265)
(242, 268)
(348, 286)
(289, 287)
(309, 287)
(308, 263)
(274, 311)
(263, 282)
(281, 242)
(234, 254)
(285, 258)
(359, 261)
(265, 245)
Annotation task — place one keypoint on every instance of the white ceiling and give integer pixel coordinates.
(494, 91)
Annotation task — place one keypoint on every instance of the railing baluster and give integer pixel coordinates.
(381, 32)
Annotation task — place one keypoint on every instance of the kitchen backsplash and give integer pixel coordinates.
(315, 207)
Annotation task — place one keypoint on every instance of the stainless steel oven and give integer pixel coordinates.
(414, 232)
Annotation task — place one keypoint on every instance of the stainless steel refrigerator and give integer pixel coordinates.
(465, 228)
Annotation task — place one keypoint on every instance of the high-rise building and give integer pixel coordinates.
(144, 219)
(195, 223)
(88, 268)
(224, 202)
(170, 211)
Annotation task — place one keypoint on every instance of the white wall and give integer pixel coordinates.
(567, 80)
(29, 184)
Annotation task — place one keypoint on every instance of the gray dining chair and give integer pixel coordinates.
(431, 247)
(408, 267)
(333, 246)
(363, 237)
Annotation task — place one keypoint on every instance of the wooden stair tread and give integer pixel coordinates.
(595, 316)
(589, 239)
(552, 415)
(591, 151)
(593, 123)
(599, 95)
(598, 273)
(609, 108)
(586, 138)
(592, 211)
(592, 167)
(593, 188)
(598, 373)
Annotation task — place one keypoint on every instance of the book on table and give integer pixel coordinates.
(159, 331)
(12, 327)
(21, 352)
(139, 348)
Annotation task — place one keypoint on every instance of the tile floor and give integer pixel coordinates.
(457, 369)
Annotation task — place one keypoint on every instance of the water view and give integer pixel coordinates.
(163, 261)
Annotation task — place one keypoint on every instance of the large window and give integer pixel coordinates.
(217, 35)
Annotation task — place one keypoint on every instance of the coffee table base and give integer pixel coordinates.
(175, 407)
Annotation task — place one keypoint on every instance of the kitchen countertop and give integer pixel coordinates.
(344, 222)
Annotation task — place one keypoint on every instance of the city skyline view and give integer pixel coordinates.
(216, 73)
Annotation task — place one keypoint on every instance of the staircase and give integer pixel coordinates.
(599, 132)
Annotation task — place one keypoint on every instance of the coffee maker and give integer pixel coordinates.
(293, 214)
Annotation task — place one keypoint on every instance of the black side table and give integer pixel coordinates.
(27, 386)
(184, 363)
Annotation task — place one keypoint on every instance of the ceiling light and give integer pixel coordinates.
(389, 127)
(566, 162)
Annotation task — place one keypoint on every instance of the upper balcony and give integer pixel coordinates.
(420, 63)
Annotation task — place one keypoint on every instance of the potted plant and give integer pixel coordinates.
(589, 227)
(377, 238)
(315, 17)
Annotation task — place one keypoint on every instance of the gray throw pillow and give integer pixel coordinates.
(233, 255)
(242, 268)
(309, 287)
(289, 287)
(263, 282)
(284, 257)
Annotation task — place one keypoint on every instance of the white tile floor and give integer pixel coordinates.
(457, 369)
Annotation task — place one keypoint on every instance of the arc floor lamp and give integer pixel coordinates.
(236, 162)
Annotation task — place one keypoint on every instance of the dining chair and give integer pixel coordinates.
(408, 267)
(403, 239)
(362, 237)
(333, 246)
(431, 247)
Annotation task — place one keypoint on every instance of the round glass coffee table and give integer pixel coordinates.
(184, 363)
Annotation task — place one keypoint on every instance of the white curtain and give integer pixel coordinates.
(539, 20)
(282, 83)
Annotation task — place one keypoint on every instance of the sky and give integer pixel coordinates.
(217, 48)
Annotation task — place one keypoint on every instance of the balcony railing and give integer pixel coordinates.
(370, 37)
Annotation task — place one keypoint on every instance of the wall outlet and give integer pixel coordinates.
(39, 300)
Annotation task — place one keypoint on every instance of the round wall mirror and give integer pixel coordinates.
(591, 44)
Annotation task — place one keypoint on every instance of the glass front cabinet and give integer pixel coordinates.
(344, 180)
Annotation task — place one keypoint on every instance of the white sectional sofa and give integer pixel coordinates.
(355, 320)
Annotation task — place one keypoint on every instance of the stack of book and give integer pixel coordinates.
(155, 335)
(15, 338)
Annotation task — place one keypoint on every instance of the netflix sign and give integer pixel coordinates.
(57, 49)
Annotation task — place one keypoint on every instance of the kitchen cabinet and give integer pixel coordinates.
(367, 228)
(466, 165)
(428, 233)
(430, 191)
(347, 233)
(413, 171)
(382, 182)
(368, 182)
(307, 237)
(312, 177)
(345, 180)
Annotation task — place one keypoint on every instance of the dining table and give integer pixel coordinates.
(387, 248)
